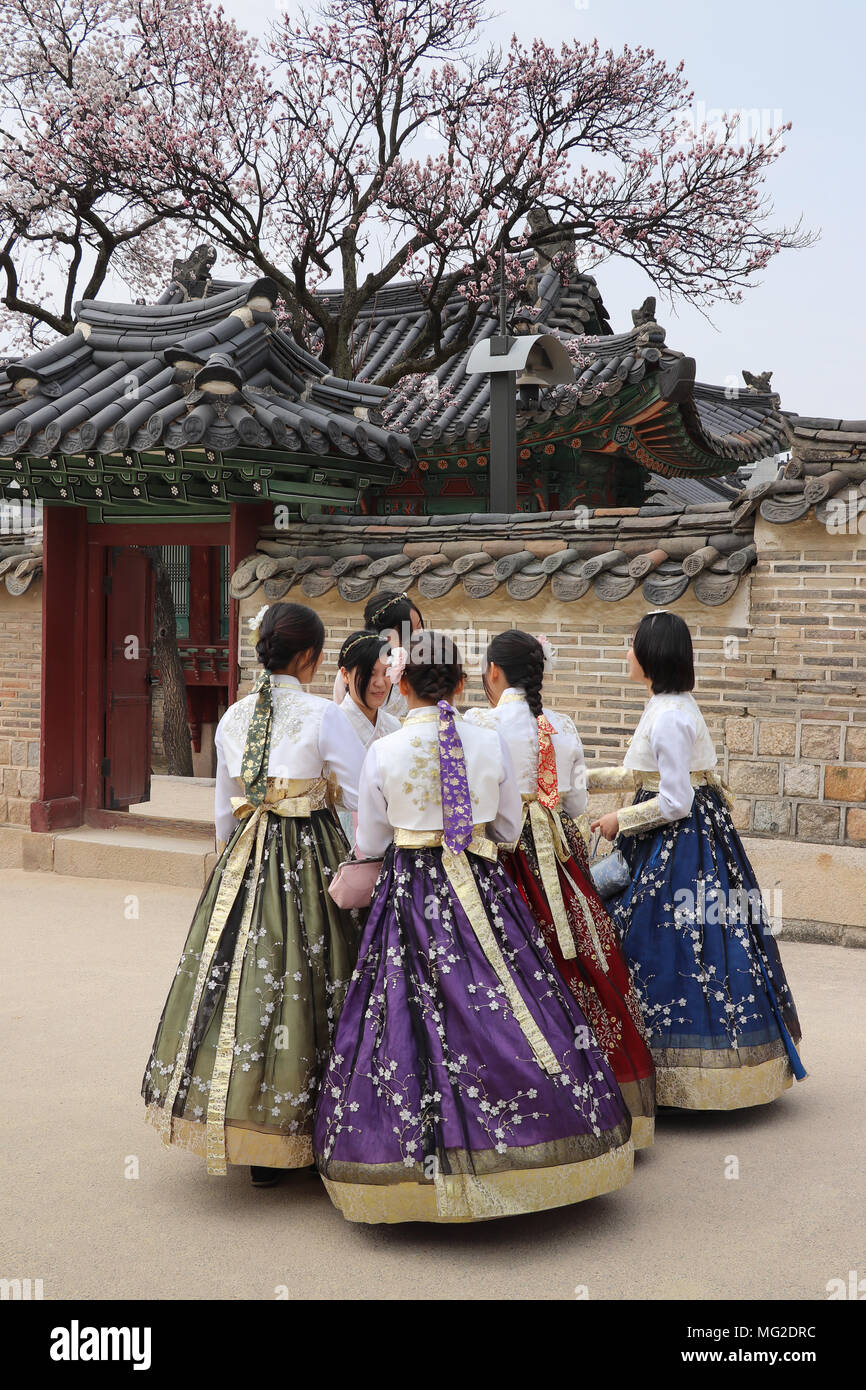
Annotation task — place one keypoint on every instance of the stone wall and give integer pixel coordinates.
(796, 743)
(20, 700)
(781, 675)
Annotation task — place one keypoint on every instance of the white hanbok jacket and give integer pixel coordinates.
(669, 746)
(400, 785)
(512, 718)
(386, 723)
(310, 738)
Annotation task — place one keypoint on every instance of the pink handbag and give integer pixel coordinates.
(354, 882)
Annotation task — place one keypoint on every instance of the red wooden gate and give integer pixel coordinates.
(129, 633)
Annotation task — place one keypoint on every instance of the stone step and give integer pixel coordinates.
(134, 855)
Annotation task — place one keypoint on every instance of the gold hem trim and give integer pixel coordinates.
(464, 1198)
(723, 1088)
(643, 1128)
(720, 1058)
(243, 1147)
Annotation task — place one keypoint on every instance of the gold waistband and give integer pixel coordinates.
(287, 796)
(429, 839)
(707, 777)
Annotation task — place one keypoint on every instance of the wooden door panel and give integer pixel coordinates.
(129, 627)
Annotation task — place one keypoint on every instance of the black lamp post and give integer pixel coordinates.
(503, 413)
(503, 357)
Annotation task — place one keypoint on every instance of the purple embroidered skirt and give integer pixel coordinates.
(464, 1082)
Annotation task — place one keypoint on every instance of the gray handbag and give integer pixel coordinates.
(610, 874)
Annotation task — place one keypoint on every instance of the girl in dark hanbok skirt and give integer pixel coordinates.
(461, 1085)
(247, 1026)
(719, 1014)
(549, 866)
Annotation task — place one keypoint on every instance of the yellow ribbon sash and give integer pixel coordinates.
(462, 880)
(553, 852)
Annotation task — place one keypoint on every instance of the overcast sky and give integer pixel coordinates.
(794, 61)
(783, 60)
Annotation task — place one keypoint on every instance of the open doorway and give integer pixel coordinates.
(188, 680)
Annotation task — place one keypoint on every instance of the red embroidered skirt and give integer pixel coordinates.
(606, 995)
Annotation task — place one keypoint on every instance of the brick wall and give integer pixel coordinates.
(781, 675)
(796, 747)
(20, 680)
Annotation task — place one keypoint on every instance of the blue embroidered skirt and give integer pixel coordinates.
(720, 1017)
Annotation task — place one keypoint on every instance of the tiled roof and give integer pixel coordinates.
(826, 474)
(449, 407)
(131, 376)
(605, 553)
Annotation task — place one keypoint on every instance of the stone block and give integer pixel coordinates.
(33, 754)
(775, 736)
(855, 744)
(819, 741)
(772, 817)
(801, 779)
(11, 839)
(10, 781)
(741, 815)
(19, 752)
(37, 853)
(5, 752)
(845, 783)
(755, 778)
(815, 822)
(855, 825)
(28, 783)
(818, 933)
(19, 812)
(740, 735)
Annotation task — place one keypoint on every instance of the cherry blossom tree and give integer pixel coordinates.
(366, 141)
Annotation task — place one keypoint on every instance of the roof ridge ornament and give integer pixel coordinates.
(192, 275)
(759, 382)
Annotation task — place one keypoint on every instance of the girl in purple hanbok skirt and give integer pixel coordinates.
(464, 1081)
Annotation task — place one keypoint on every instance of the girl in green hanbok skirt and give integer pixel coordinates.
(247, 1027)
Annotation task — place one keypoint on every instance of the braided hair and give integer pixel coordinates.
(521, 657)
(287, 630)
(435, 667)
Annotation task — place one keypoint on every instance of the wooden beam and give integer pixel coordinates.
(63, 674)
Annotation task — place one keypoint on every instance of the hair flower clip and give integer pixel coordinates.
(549, 651)
(396, 664)
(255, 623)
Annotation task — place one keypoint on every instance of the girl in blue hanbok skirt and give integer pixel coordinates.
(464, 1081)
(720, 1017)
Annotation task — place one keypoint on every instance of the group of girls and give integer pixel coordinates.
(489, 1037)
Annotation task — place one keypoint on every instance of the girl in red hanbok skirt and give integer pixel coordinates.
(550, 867)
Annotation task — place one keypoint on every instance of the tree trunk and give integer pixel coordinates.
(176, 740)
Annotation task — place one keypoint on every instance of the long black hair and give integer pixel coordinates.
(287, 630)
(360, 653)
(662, 645)
(521, 657)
